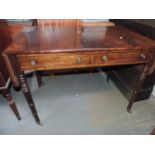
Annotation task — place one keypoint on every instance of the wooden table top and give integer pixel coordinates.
(50, 39)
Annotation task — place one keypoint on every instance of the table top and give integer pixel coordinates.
(50, 39)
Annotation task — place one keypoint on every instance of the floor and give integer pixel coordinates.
(78, 104)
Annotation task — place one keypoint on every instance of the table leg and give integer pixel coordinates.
(52, 74)
(39, 78)
(137, 86)
(108, 75)
(11, 103)
(28, 96)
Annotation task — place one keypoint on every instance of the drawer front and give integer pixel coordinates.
(53, 61)
(121, 58)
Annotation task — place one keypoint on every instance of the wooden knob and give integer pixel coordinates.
(105, 58)
(33, 62)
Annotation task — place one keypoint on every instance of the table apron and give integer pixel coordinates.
(81, 60)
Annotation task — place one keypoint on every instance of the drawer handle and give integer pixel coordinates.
(78, 60)
(143, 56)
(105, 58)
(33, 62)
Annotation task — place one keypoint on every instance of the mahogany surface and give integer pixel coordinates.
(51, 39)
(63, 47)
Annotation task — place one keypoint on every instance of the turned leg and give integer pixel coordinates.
(108, 75)
(52, 74)
(137, 86)
(11, 103)
(39, 79)
(28, 96)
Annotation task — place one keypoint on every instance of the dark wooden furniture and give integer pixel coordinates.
(14, 29)
(5, 40)
(125, 78)
(79, 23)
(63, 47)
(122, 75)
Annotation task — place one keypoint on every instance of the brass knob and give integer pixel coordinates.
(33, 62)
(105, 58)
(121, 37)
(143, 56)
(78, 60)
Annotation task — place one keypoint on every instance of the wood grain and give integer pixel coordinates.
(58, 22)
(51, 39)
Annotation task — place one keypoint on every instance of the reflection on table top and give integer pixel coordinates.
(49, 39)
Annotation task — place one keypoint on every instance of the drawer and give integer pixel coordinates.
(121, 57)
(53, 61)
